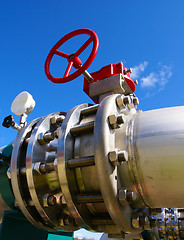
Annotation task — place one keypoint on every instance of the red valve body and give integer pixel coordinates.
(108, 71)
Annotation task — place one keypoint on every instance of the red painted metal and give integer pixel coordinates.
(73, 59)
(108, 71)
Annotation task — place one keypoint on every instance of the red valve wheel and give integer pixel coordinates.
(73, 59)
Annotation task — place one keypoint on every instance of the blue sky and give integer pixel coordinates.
(147, 35)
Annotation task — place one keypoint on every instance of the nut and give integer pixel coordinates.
(56, 120)
(113, 157)
(68, 220)
(122, 197)
(126, 100)
(130, 196)
(49, 200)
(122, 156)
(120, 119)
(120, 103)
(112, 121)
(135, 101)
(135, 222)
(40, 139)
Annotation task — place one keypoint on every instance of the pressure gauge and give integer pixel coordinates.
(23, 104)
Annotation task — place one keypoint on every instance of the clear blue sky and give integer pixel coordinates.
(146, 35)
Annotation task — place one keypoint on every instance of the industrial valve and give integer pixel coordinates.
(104, 167)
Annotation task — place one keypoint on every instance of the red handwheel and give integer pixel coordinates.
(73, 59)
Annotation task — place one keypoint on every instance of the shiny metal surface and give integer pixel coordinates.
(158, 140)
(102, 168)
(105, 141)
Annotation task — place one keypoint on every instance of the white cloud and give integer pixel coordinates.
(158, 80)
(149, 81)
(137, 70)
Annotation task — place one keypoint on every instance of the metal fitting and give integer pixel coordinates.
(122, 156)
(126, 100)
(44, 138)
(68, 220)
(112, 121)
(120, 103)
(122, 197)
(113, 158)
(120, 119)
(135, 222)
(116, 157)
(127, 71)
(115, 122)
(135, 101)
(49, 200)
(46, 167)
(130, 196)
(136, 82)
(57, 120)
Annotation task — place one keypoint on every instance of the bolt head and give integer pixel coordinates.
(40, 139)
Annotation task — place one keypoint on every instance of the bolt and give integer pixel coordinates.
(113, 157)
(45, 138)
(120, 119)
(112, 120)
(122, 156)
(117, 157)
(56, 120)
(135, 101)
(68, 220)
(122, 197)
(40, 139)
(127, 71)
(116, 121)
(130, 196)
(49, 200)
(135, 222)
(126, 100)
(120, 103)
(48, 136)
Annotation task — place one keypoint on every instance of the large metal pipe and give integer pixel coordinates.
(158, 150)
